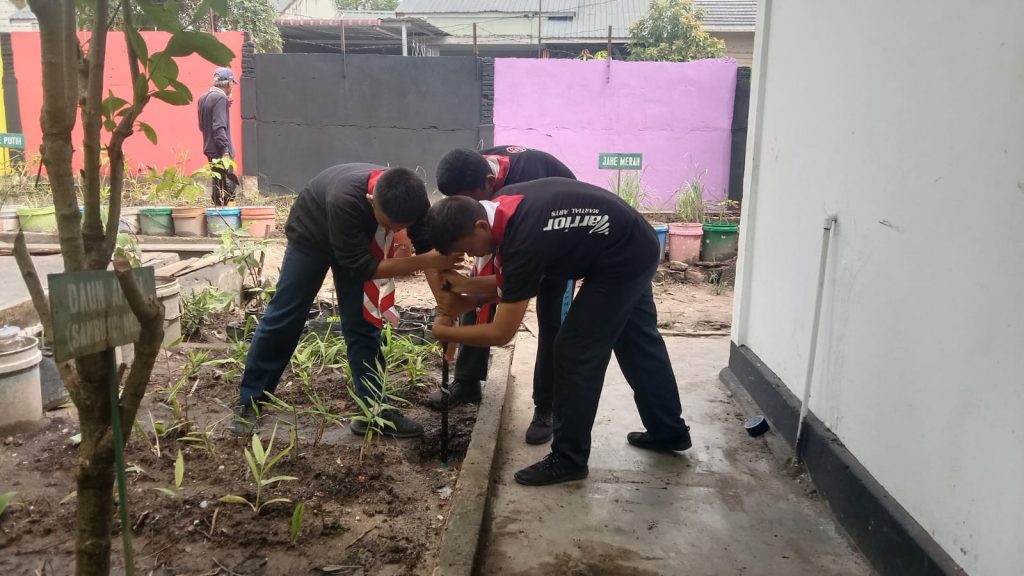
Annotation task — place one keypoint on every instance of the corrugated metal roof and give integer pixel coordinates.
(729, 15)
(590, 18)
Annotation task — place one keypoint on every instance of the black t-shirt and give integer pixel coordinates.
(333, 218)
(525, 164)
(562, 228)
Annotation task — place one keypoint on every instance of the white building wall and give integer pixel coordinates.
(907, 120)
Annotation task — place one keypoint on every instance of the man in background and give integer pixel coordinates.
(215, 124)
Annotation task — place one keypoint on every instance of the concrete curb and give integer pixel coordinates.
(460, 541)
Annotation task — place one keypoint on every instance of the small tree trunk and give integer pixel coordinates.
(95, 502)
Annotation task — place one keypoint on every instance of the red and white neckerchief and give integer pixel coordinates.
(499, 167)
(499, 211)
(484, 265)
(379, 294)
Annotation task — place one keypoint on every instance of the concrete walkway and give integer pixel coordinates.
(726, 506)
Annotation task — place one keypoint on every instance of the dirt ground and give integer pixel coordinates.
(379, 515)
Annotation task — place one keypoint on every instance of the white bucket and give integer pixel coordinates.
(168, 291)
(21, 398)
(129, 221)
(9, 219)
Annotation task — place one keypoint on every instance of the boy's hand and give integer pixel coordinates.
(439, 261)
(454, 305)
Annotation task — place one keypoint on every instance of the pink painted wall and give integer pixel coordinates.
(678, 115)
(177, 127)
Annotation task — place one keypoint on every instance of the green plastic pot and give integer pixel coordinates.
(721, 241)
(38, 219)
(156, 221)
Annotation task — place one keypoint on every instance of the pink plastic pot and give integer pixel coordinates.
(259, 221)
(684, 242)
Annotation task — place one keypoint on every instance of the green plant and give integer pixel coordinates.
(128, 246)
(672, 31)
(280, 405)
(175, 399)
(372, 409)
(722, 209)
(628, 185)
(690, 202)
(320, 411)
(408, 354)
(204, 438)
(248, 254)
(261, 461)
(257, 18)
(297, 515)
(172, 183)
(5, 500)
(179, 476)
(197, 306)
(237, 353)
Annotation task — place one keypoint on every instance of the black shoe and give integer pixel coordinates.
(403, 426)
(462, 392)
(539, 431)
(244, 420)
(646, 441)
(553, 469)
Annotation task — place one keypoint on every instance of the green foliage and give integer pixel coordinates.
(197, 306)
(246, 252)
(407, 354)
(690, 203)
(371, 410)
(671, 31)
(239, 351)
(179, 477)
(721, 213)
(629, 186)
(5, 500)
(172, 183)
(257, 18)
(366, 4)
(128, 246)
(297, 515)
(261, 461)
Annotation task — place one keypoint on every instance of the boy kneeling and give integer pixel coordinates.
(564, 229)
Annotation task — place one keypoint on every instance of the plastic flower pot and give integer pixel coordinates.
(156, 221)
(684, 242)
(37, 219)
(721, 241)
(189, 221)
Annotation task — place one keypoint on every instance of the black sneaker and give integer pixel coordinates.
(462, 392)
(404, 427)
(539, 431)
(646, 441)
(553, 469)
(244, 420)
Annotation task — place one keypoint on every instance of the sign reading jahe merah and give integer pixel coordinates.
(90, 313)
(620, 161)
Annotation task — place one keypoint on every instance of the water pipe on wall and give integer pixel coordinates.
(826, 237)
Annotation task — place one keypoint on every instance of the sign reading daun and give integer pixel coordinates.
(90, 313)
(620, 161)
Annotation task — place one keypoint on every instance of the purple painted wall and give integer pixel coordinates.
(678, 115)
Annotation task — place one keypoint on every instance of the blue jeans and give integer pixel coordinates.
(279, 331)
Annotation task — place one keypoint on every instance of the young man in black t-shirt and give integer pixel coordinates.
(481, 175)
(343, 221)
(569, 229)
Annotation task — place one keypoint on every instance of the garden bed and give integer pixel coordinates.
(373, 509)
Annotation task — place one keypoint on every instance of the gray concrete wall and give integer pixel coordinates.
(305, 112)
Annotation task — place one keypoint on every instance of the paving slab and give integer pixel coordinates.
(727, 506)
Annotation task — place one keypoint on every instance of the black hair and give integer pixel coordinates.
(401, 195)
(462, 171)
(451, 219)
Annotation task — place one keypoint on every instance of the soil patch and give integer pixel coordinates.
(379, 513)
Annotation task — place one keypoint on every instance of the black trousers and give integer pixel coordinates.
(471, 363)
(611, 317)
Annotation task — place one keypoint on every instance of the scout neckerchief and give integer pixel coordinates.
(379, 294)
